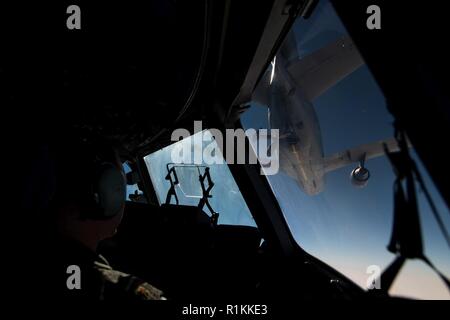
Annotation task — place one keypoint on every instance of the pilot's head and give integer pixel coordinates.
(89, 197)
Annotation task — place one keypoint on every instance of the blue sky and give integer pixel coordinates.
(344, 226)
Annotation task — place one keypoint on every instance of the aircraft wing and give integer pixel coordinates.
(321, 70)
(371, 150)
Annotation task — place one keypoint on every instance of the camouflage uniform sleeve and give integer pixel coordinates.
(117, 283)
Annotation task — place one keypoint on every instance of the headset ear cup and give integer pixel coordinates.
(111, 190)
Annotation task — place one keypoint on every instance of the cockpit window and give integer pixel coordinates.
(170, 165)
(335, 184)
(134, 194)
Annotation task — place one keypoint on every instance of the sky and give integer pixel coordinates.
(347, 227)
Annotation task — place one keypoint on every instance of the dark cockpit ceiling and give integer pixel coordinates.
(159, 66)
(129, 79)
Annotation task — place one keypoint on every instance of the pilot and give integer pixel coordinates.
(86, 208)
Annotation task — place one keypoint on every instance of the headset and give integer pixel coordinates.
(92, 180)
(108, 192)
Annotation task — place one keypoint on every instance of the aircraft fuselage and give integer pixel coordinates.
(301, 150)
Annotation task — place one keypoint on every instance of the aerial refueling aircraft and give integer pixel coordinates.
(288, 88)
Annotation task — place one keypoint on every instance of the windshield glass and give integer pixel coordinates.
(133, 192)
(226, 198)
(332, 120)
